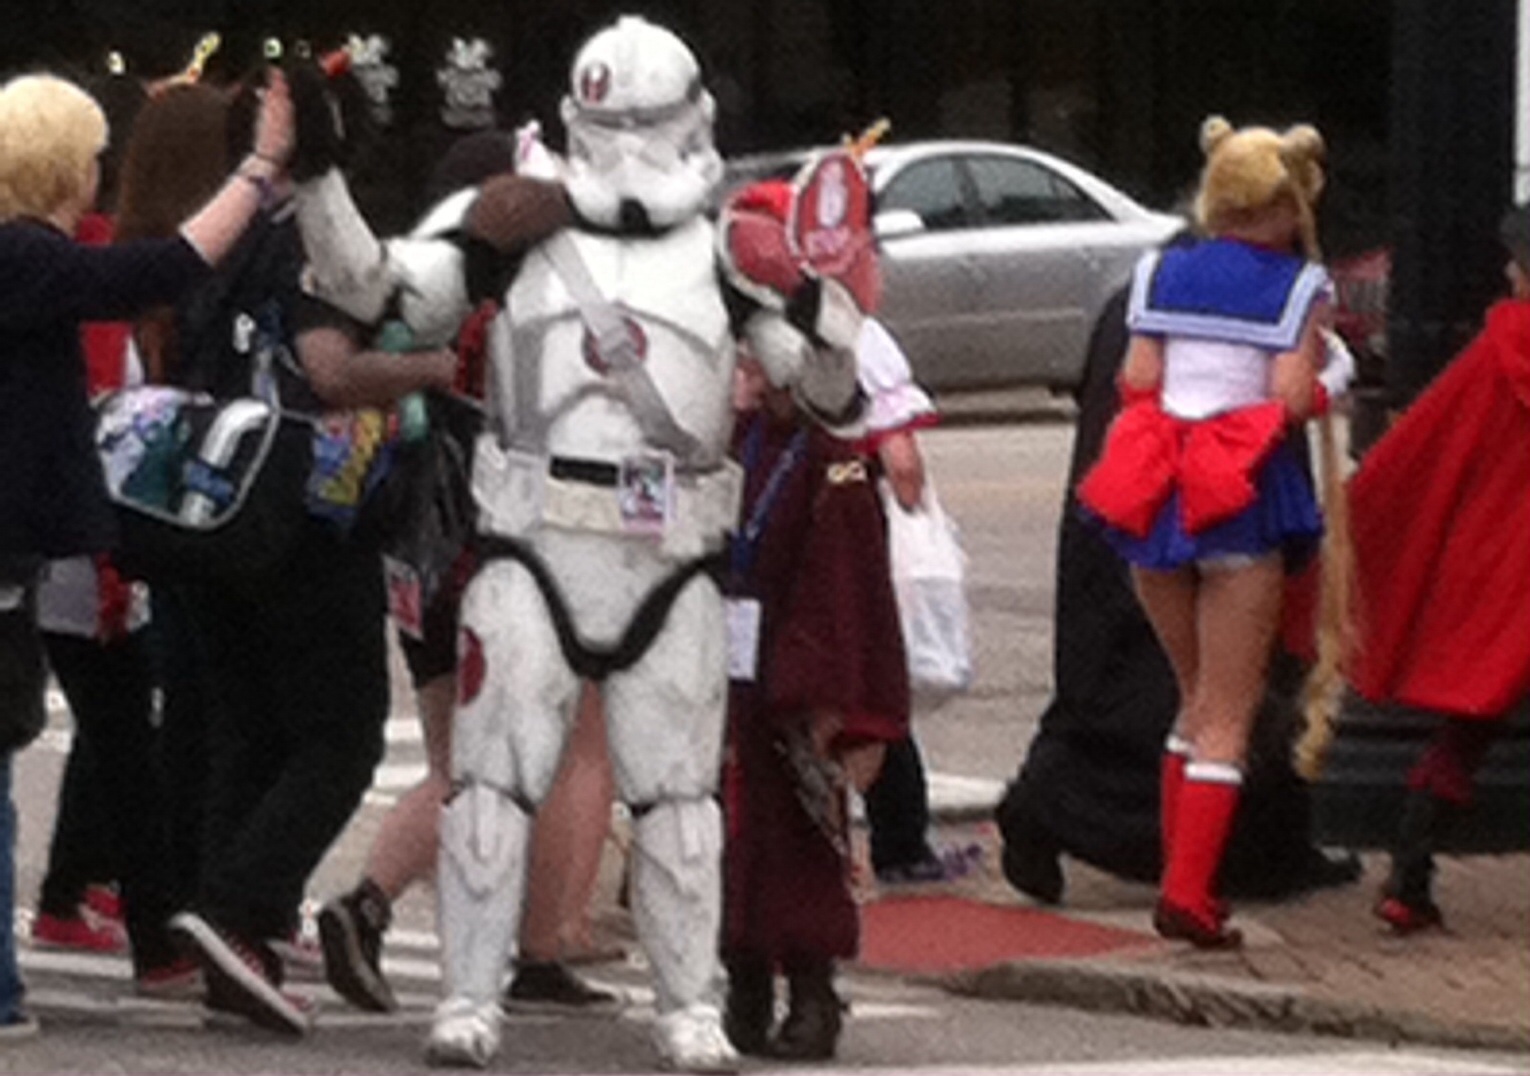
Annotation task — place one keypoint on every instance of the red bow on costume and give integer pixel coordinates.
(1212, 462)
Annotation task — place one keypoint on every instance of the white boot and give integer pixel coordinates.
(692, 1040)
(464, 1034)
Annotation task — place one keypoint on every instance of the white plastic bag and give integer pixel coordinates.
(929, 577)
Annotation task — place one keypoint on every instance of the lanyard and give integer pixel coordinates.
(746, 543)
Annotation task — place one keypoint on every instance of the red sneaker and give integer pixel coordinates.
(179, 980)
(1405, 919)
(243, 976)
(105, 901)
(81, 931)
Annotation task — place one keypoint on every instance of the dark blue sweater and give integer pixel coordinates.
(52, 497)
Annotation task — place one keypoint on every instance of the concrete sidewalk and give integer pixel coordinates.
(1317, 963)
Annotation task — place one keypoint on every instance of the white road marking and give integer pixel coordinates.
(1359, 1063)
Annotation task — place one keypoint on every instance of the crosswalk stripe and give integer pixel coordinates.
(947, 792)
(413, 961)
(1368, 1063)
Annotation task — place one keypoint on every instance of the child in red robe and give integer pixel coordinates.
(818, 688)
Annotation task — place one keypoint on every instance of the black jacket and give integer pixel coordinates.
(52, 497)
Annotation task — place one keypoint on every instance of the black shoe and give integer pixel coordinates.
(551, 985)
(1032, 866)
(751, 1006)
(351, 932)
(243, 976)
(811, 1029)
(1339, 868)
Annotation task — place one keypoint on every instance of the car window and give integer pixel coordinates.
(1023, 192)
(933, 189)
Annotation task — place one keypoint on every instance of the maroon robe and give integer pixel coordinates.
(829, 640)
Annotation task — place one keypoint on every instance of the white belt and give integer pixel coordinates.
(517, 493)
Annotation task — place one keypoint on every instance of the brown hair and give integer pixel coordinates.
(175, 161)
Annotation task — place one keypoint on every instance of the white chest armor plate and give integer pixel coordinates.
(554, 397)
(554, 401)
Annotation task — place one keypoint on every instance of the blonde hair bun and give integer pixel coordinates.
(1249, 169)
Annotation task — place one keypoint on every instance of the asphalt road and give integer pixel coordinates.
(1003, 483)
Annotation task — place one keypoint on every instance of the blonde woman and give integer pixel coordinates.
(1198, 487)
(52, 498)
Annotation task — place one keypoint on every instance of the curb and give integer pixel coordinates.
(998, 416)
(1218, 1001)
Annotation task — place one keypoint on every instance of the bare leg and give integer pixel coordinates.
(1169, 599)
(1239, 611)
(404, 850)
(567, 841)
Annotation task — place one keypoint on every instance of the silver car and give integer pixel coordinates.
(996, 258)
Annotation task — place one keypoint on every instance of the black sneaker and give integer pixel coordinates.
(243, 976)
(551, 985)
(351, 931)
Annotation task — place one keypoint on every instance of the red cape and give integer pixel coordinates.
(1441, 520)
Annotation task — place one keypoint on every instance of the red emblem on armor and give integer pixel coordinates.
(597, 362)
(594, 83)
(471, 666)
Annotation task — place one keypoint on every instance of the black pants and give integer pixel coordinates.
(300, 683)
(898, 809)
(111, 812)
(181, 669)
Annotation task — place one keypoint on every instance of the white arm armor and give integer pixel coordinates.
(351, 270)
(347, 267)
(823, 378)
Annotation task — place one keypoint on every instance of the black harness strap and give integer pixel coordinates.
(597, 663)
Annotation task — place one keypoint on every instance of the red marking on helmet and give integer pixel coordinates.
(595, 83)
(471, 666)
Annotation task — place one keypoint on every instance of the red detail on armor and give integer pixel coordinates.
(757, 250)
(471, 666)
(597, 362)
(594, 83)
(770, 196)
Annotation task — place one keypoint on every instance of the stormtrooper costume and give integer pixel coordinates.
(605, 500)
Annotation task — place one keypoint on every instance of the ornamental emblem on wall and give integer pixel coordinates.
(378, 78)
(469, 84)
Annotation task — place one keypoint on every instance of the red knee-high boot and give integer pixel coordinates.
(1176, 754)
(1203, 819)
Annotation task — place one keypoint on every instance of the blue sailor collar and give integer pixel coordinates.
(1226, 290)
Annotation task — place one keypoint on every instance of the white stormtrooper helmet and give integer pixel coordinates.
(639, 129)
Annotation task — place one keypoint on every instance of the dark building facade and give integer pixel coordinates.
(1414, 96)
